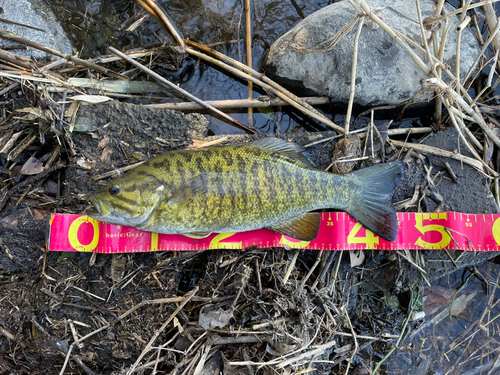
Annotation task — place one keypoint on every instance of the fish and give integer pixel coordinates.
(268, 183)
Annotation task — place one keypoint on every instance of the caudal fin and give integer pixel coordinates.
(373, 208)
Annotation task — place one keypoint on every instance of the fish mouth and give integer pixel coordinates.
(99, 210)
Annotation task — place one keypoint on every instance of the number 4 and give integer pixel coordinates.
(369, 239)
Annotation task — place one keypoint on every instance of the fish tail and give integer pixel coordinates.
(373, 206)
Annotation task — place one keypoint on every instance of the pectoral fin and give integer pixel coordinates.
(197, 235)
(186, 192)
(304, 227)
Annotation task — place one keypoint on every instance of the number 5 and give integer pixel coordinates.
(445, 237)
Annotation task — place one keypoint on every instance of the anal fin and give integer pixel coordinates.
(304, 227)
(197, 235)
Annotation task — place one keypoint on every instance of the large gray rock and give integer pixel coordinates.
(303, 60)
(37, 14)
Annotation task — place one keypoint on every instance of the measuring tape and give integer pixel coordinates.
(338, 231)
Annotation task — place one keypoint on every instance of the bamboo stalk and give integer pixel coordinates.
(181, 91)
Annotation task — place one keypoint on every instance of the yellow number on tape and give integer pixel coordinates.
(73, 234)
(496, 231)
(369, 239)
(445, 237)
(216, 244)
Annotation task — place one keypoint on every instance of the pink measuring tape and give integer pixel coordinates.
(338, 231)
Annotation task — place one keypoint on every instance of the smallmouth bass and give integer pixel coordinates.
(268, 183)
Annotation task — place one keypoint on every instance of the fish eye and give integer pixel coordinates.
(114, 190)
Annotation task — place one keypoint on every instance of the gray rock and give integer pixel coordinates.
(304, 60)
(37, 14)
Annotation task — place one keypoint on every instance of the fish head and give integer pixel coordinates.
(129, 200)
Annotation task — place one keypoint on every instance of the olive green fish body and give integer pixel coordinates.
(266, 184)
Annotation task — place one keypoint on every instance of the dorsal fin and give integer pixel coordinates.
(292, 150)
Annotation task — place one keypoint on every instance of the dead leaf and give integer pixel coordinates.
(103, 143)
(213, 317)
(32, 166)
(106, 153)
(94, 99)
(357, 257)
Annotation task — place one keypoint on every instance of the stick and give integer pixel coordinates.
(393, 35)
(466, 107)
(11, 36)
(181, 91)
(14, 59)
(262, 102)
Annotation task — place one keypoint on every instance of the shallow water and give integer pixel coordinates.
(95, 25)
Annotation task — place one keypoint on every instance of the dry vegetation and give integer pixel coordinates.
(257, 311)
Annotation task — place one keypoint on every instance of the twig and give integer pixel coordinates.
(14, 59)
(403, 332)
(181, 91)
(311, 270)
(187, 297)
(466, 107)
(450, 172)
(185, 300)
(356, 346)
(291, 266)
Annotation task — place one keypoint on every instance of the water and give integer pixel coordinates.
(95, 25)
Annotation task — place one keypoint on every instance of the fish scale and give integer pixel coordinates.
(268, 183)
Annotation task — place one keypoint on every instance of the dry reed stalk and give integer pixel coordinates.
(389, 30)
(434, 20)
(181, 91)
(11, 36)
(267, 88)
(254, 73)
(185, 300)
(152, 7)
(263, 102)
(248, 24)
(466, 107)
(436, 151)
(277, 89)
(353, 76)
